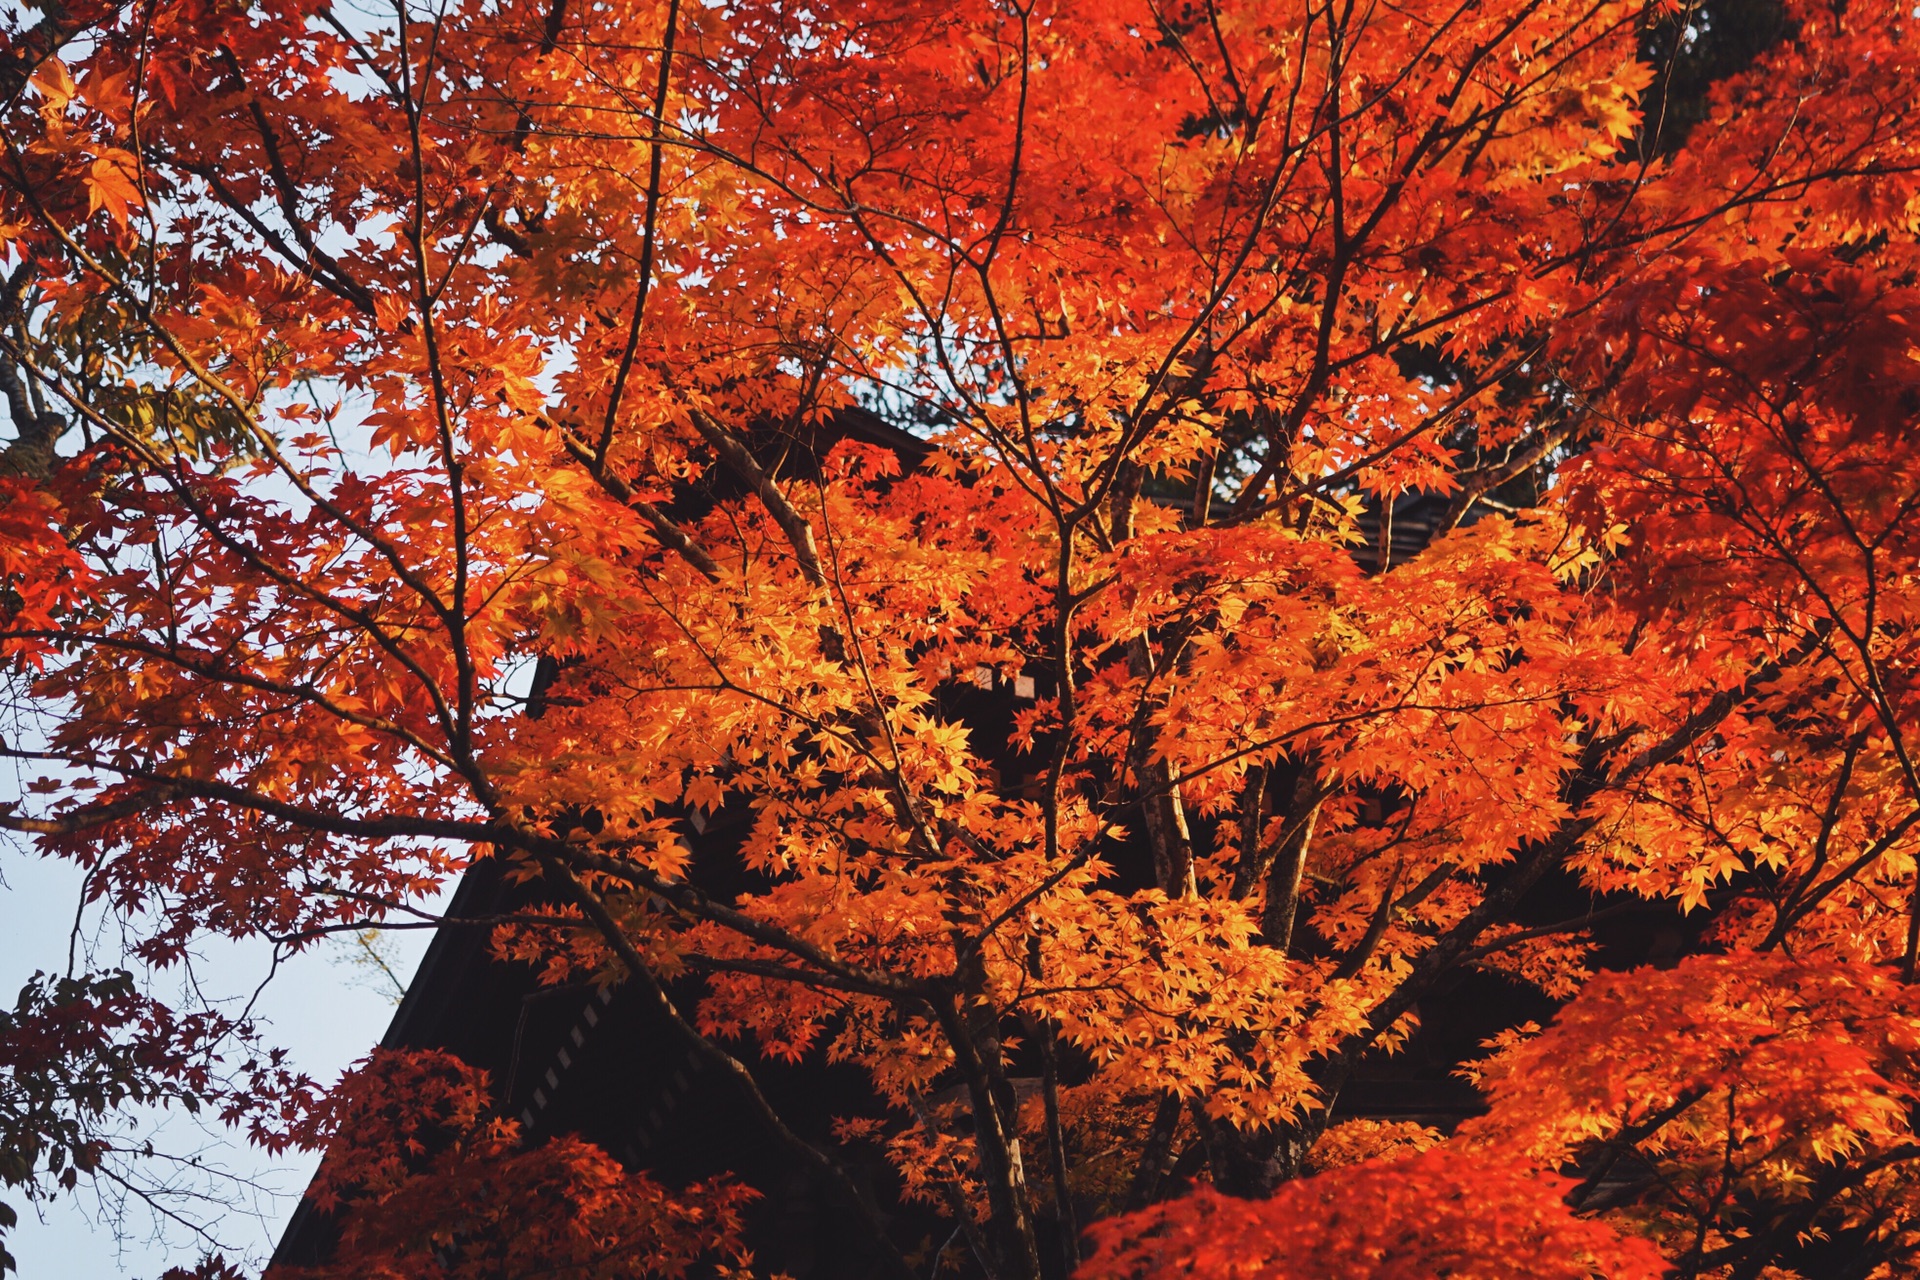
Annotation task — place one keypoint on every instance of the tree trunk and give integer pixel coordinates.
(971, 1026)
(1290, 863)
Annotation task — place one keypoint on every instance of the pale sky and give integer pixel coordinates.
(324, 1010)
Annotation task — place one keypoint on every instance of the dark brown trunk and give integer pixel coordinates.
(1252, 818)
(972, 1031)
(1162, 814)
(1057, 1148)
(1253, 1164)
(1156, 1156)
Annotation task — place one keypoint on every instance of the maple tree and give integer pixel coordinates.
(424, 452)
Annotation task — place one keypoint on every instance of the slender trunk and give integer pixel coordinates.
(1127, 479)
(1356, 959)
(1203, 491)
(1166, 823)
(1162, 813)
(970, 1024)
(1290, 863)
(1252, 816)
(1057, 1147)
(1384, 561)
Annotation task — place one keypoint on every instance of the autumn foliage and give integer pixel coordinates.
(1440, 1213)
(1398, 566)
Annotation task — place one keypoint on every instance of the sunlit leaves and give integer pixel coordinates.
(460, 461)
(1441, 1212)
